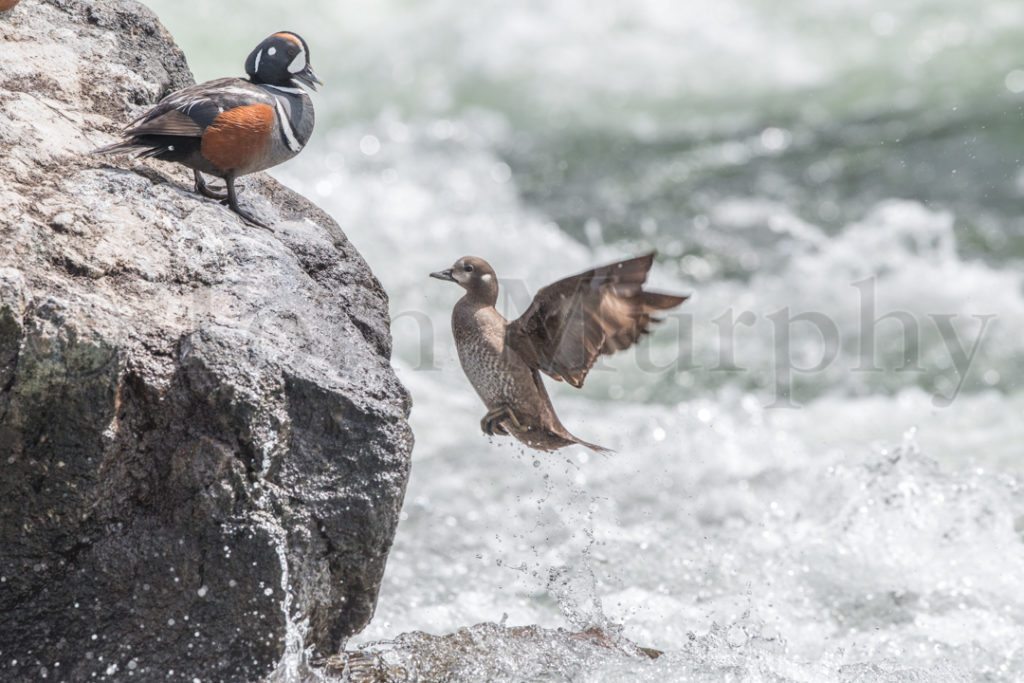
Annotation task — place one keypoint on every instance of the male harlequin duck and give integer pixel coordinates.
(568, 325)
(230, 127)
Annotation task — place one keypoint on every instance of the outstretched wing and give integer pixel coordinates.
(573, 321)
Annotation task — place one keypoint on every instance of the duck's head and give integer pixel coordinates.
(475, 276)
(281, 59)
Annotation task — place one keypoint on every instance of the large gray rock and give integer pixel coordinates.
(203, 446)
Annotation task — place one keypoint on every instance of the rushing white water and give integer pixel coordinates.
(818, 467)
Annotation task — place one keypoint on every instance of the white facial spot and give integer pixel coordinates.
(486, 277)
(298, 63)
(272, 51)
(259, 55)
(170, 148)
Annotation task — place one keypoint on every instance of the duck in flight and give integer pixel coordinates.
(231, 127)
(567, 326)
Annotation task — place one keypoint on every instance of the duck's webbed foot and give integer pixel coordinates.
(232, 202)
(493, 422)
(207, 190)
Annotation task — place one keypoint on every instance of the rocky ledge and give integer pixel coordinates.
(204, 448)
(488, 652)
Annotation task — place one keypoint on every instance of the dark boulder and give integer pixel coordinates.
(203, 446)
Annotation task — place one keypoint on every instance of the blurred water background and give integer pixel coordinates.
(818, 474)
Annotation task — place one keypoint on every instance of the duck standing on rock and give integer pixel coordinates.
(230, 127)
(567, 326)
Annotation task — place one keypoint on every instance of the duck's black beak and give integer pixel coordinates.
(308, 77)
(444, 275)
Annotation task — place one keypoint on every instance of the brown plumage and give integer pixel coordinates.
(569, 324)
(7, 4)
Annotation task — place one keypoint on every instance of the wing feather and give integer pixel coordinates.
(573, 321)
(189, 111)
(172, 122)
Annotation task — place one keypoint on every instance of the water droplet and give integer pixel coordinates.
(501, 172)
(775, 139)
(736, 636)
(1014, 81)
(369, 145)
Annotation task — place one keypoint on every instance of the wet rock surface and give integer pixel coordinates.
(195, 414)
(484, 652)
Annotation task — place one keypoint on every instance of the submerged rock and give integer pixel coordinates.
(204, 448)
(484, 652)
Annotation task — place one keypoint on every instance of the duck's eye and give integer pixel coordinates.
(468, 268)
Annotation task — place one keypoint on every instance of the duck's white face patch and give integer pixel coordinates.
(259, 55)
(298, 63)
(272, 51)
(486, 277)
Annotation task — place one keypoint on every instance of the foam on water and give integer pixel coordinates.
(760, 521)
(711, 521)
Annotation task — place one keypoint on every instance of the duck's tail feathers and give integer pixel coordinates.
(600, 450)
(139, 149)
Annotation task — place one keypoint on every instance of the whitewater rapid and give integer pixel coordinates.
(818, 458)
